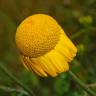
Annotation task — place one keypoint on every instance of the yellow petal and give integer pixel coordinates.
(37, 66)
(47, 66)
(58, 61)
(30, 67)
(25, 65)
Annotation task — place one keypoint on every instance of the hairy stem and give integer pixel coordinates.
(9, 89)
(16, 80)
(77, 80)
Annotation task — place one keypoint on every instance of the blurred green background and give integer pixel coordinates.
(78, 19)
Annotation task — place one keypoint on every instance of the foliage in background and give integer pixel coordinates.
(78, 19)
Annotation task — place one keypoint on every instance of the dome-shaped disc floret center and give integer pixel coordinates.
(37, 35)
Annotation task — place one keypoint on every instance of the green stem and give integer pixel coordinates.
(88, 90)
(16, 80)
(9, 89)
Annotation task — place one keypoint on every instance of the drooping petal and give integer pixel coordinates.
(47, 66)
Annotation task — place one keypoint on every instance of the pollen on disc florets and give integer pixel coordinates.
(37, 35)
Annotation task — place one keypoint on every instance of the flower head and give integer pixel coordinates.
(43, 45)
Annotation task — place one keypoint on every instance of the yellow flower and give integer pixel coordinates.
(44, 46)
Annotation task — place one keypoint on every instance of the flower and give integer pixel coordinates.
(44, 47)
